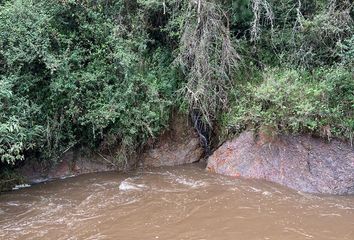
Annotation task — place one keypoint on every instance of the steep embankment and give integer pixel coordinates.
(300, 162)
(178, 145)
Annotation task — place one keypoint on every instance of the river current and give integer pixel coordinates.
(171, 203)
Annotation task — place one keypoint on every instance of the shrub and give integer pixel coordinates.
(296, 101)
(72, 76)
(18, 132)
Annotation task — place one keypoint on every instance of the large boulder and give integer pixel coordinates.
(176, 146)
(302, 162)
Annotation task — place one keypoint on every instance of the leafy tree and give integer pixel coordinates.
(106, 74)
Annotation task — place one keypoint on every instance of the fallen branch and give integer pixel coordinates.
(114, 165)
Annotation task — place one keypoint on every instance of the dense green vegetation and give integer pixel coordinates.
(108, 73)
(300, 77)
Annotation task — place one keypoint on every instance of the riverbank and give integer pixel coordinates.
(302, 162)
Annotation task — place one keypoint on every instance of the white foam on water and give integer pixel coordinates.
(266, 193)
(255, 189)
(126, 185)
(69, 176)
(186, 181)
(40, 180)
(21, 186)
(330, 215)
(339, 206)
(190, 182)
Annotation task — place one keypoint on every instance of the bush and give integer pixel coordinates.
(101, 74)
(17, 130)
(71, 77)
(296, 101)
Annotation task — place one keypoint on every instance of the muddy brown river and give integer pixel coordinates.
(171, 203)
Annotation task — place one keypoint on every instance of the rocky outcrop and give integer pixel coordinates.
(303, 163)
(179, 145)
(72, 163)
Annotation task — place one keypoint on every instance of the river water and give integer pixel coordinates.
(171, 203)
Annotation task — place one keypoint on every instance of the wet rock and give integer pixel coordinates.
(179, 145)
(72, 163)
(303, 163)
